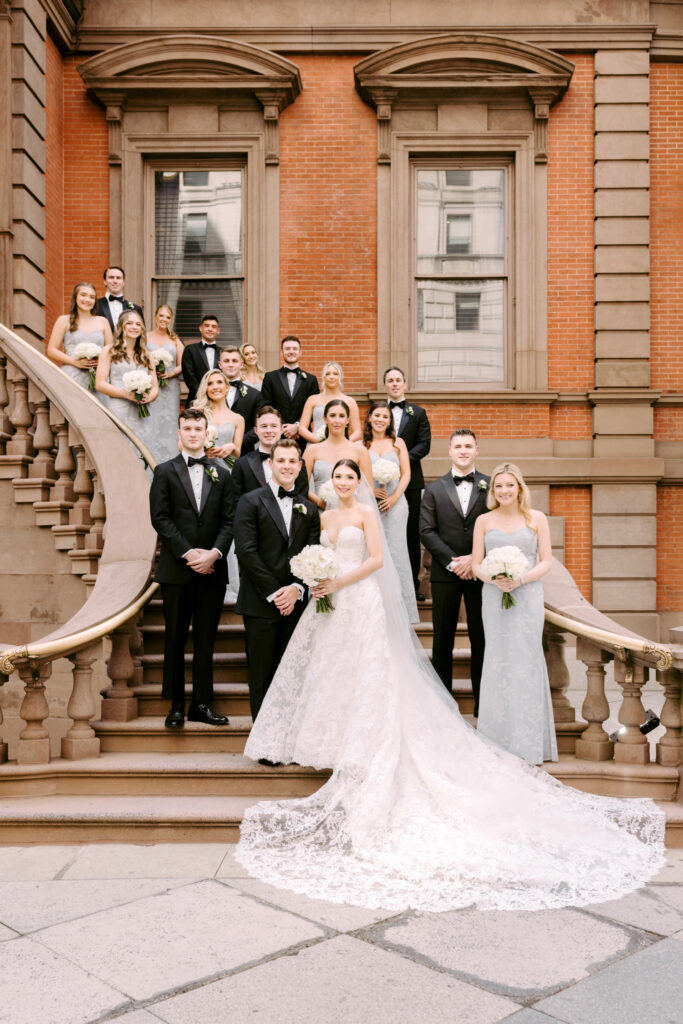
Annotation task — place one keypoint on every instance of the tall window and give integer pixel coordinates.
(199, 248)
(461, 273)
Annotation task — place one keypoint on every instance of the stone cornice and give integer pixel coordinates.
(667, 47)
(62, 21)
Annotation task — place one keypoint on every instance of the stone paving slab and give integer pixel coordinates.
(341, 917)
(162, 860)
(163, 942)
(527, 1016)
(644, 909)
(25, 862)
(672, 872)
(643, 989)
(341, 981)
(28, 906)
(230, 868)
(7, 933)
(37, 986)
(137, 1017)
(522, 955)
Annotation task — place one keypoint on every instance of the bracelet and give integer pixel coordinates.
(522, 580)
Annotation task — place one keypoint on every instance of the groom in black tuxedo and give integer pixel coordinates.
(191, 506)
(288, 388)
(272, 524)
(450, 507)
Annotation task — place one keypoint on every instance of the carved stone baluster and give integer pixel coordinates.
(594, 744)
(120, 704)
(3, 746)
(137, 650)
(55, 512)
(71, 536)
(33, 746)
(84, 560)
(81, 741)
(5, 425)
(98, 513)
(670, 746)
(632, 746)
(19, 448)
(41, 473)
(564, 715)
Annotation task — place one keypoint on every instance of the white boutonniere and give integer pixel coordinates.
(409, 410)
(243, 391)
(301, 509)
(129, 305)
(303, 375)
(482, 486)
(212, 474)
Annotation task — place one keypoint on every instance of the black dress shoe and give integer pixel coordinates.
(175, 719)
(420, 597)
(203, 713)
(271, 764)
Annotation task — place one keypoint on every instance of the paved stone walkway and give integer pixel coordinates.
(179, 933)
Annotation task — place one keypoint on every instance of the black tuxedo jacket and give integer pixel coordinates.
(181, 526)
(444, 529)
(415, 430)
(264, 548)
(102, 309)
(194, 365)
(275, 392)
(247, 405)
(248, 475)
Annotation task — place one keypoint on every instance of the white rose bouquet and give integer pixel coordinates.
(328, 494)
(313, 564)
(505, 562)
(88, 350)
(211, 435)
(162, 361)
(384, 471)
(139, 383)
(321, 434)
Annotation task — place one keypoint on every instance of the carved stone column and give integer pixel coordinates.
(5, 425)
(120, 703)
(3, 746)
(558, 674)
(594, 744)
(383, 100)
(55, 512)
(542, 100)
(632, 747)
(41, 473)
(34, 741)
(273, 103)
(670, 746)
(19, 448)
(81, 741)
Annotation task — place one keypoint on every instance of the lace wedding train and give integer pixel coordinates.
(419, 811)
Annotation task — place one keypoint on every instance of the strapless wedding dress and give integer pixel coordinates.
(419, 811)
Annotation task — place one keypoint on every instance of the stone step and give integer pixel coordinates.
(150, 734)
(154, 614)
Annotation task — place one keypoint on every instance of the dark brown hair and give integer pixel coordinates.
(193, 414)
(367, 426)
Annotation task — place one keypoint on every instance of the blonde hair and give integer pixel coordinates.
(118, 348)
(202, 400)
(169, 330)
(332, 362)
(523, 498)
(259, 369)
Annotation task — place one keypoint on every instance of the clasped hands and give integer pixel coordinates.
(285, 599)
(383, 500)
(462, 567)
(201, 560)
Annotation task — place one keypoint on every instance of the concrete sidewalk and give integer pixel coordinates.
(179, 933)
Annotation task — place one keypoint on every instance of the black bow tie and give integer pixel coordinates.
(282, 493)
(397, 405)
(209, 344)
(263, 456)
(116, 298)
(460, 479)
(290, 369)
(202, 461)
(235, 383)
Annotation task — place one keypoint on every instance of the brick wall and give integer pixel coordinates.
(571, 423)
(574, 503)
(669, 547)
(489, 419)
(666, 226)
(328, 221)
(570, 233)
(54, 187)
(86, 185)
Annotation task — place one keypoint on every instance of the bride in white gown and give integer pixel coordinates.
(419, 811)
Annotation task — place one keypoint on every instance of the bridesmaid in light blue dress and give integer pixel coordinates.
(167, 407)
(515, 707)
(321, 457)
(211, 397)
(128, 352)
(312, 422)
(252, 372)
(75, 327)
(380, 439)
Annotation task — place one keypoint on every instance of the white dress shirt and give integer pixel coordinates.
(397, 416)
(115, 307)
(210, 353)
(265, 465)
(464, 489)
(291, 379)
(286, 507)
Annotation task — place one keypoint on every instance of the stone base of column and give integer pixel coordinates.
(632, 753)
(594, 750)
(3, 753)
(33, 751)
(77, 749)
(670, 757)
(119, 709)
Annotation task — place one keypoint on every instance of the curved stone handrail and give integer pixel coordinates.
(127, 554)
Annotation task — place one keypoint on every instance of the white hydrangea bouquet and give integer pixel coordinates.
(321, 434)
(162, 361)
(384, 471)
(88, 350)
(210, 440)
(139, 383)
(313, 564)
(505, 562)
(328, 494)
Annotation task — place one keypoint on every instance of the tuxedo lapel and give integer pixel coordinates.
(452, 492)
(181, 469)
(207, 484)
(405, 420)
(284, 383)
(257, 467)
(275, 512)
(476, 495)
(297, 523)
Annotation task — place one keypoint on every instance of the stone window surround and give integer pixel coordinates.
(478, 71)
(243, 84)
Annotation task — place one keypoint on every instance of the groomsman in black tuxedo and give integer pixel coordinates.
(201, 357)
(241, 397)
(288, 388)
(114, 303)
(272, 524)
(411, 424)
(253, 470)
(450, 508)
(191, 506)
